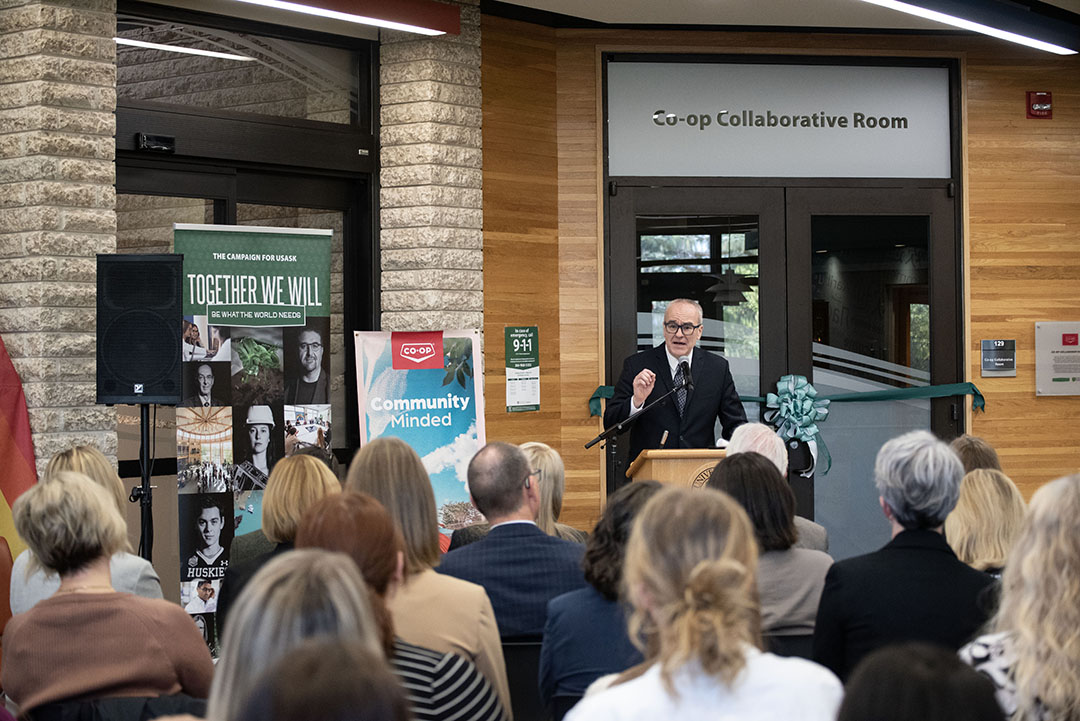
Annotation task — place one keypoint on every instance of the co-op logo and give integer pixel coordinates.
(417, 352)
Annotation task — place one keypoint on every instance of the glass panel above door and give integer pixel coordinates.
(712, 259)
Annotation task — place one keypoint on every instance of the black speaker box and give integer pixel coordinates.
(138, 328)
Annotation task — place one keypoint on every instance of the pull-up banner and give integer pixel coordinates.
(427, 389)
(256, 387)
(777, 120)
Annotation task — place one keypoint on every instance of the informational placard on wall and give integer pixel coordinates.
(427, 389)
(718, 119)
(522, 368)
(998, 358)
(256, 377)
(1057, 358)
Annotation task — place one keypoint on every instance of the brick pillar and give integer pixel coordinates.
(57, 97)
(431, 238)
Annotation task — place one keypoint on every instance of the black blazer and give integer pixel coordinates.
(713, 396)
(913, 589)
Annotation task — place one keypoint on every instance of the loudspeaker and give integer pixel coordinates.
(138, 328)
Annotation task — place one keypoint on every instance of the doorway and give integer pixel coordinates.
(855, 288)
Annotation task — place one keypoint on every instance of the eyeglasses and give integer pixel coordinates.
(305, 347)
(535, 473)
(686, 328)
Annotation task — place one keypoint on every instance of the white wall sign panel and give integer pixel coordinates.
(787, 121)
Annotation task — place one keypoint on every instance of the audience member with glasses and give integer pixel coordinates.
(703, 388)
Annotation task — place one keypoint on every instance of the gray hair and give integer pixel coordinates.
(688, 301)
(918, 476)
(760, 438)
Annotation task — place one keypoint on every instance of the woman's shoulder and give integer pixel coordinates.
(429, 581)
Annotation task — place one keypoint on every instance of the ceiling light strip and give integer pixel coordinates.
(347, 17)
(973, 26)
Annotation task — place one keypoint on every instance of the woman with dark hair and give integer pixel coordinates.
(975, 453)
(789, 579)
(585, 635)
(438, 685)
(917, 682)
(327, 679)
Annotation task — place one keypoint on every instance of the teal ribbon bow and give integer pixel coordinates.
(594, 401)
(795, 412)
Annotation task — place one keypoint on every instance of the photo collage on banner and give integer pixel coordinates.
(256, 370)
(427, 389)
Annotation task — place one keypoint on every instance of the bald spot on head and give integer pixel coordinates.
(496, 478)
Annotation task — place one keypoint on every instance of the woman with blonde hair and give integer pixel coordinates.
(1033, 652)
(986, 520)
(88, 640)
(128, 573)
(690, 576)
(547, 460)
(297, 596)
(295, 484)
(391, 471)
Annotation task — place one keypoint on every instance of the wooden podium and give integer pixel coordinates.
(683, 466)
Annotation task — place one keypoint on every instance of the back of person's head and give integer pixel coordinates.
(606, 547)
(328, 679)
(323, 455)
(760, 438)
(68, 522)
(92, 463)
(975, 453)
(391, 471)
(295, 484)
(986, 520)
(690, 574)
(296, 596)
(552, 480)
(1039, 609)
(496, 475)
(918, 476)
(917, 682)
(752, 480)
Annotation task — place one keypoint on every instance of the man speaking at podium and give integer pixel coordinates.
(688, 416)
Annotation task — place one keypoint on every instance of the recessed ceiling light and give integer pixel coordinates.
(180, 49)
(965, 24)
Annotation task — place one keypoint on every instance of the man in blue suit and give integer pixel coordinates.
(520, 566)
(687, 418)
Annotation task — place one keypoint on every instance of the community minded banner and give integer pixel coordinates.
(256, 385)
(426, 388)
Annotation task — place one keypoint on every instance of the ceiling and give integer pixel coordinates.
(759, 13)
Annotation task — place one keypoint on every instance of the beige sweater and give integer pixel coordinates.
(99, 645)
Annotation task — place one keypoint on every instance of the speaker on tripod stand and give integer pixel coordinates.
(138, 348)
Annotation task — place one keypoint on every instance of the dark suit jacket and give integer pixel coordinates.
(521, 568)
(193, 401)
(913, 589)
(472, 534)
(713, 396)
(236, 577)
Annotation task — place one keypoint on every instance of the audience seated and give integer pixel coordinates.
(914, 588)
(520, 566)
(986, 521)
(1033, 651)
(760, 438)
(296, 596)
(974, 453)
(789, 579)
(438, 685)
(88, 640)
(328, 680)
(917, 682)
(585, 636)
(552, 481)
(690, 576)
(294, 485)
(429, 609)
(129, 573)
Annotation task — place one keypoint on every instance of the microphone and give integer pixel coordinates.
(688, 381)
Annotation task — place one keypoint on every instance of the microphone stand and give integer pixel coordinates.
(610, 434)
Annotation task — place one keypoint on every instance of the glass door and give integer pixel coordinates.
(874, 306)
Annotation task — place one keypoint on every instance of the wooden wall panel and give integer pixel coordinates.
(1021, 225)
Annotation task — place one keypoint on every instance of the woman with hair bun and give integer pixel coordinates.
(690, 576)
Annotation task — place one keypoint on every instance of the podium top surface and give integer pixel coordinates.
(675, 454)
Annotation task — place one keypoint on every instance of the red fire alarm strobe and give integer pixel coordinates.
(1039, 105)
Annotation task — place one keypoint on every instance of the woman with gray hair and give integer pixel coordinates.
(914, 588)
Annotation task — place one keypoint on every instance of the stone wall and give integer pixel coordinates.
(431, 217)
(57, 96)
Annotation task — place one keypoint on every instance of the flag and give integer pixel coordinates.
(16, 448)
